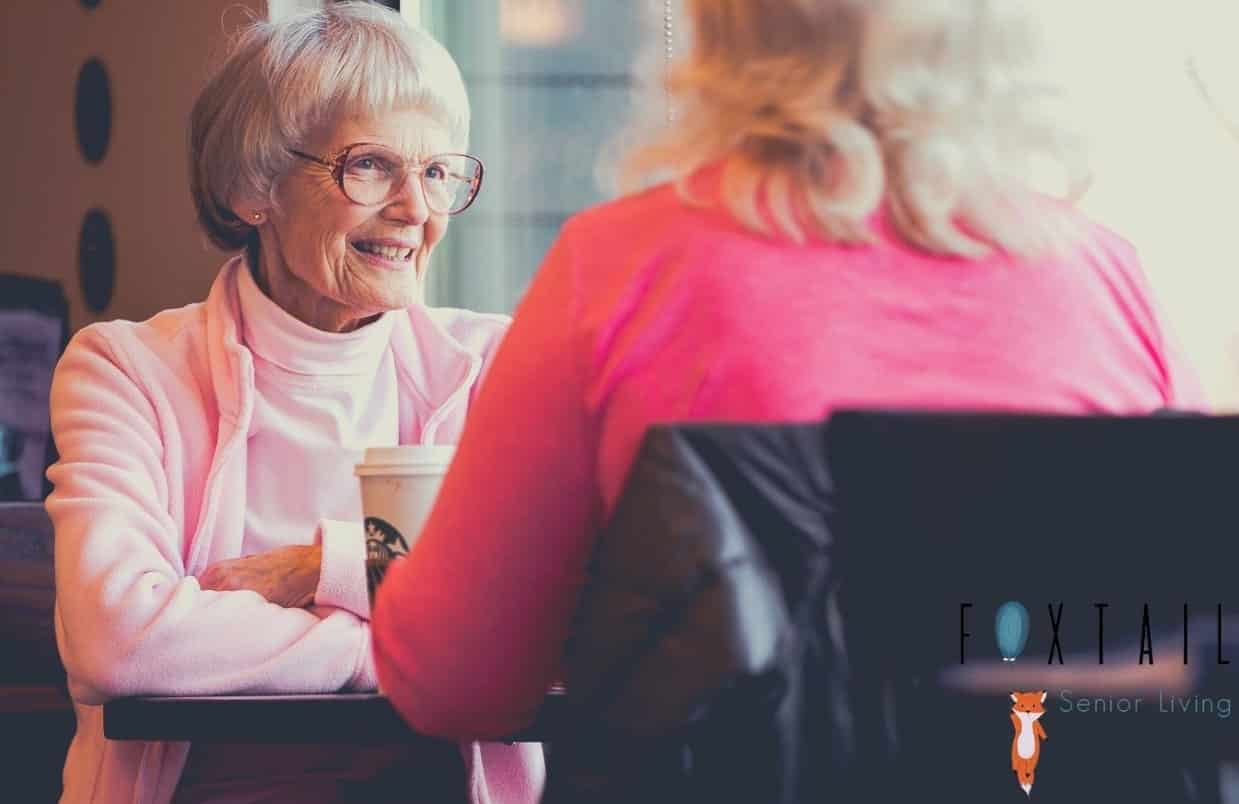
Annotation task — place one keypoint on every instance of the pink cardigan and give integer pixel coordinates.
(647, 310)
(151, 421)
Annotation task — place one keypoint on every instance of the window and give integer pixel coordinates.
(550, 82)
(1160, 105)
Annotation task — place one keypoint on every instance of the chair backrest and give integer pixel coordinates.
(1057, 513)
(869, 531)
(27, 596)
(687, 646)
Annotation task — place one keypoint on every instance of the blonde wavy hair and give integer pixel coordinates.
(824, 110)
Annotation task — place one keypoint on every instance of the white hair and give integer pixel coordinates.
(284, 80)
(825, 110)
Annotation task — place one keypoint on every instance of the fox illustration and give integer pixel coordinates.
(1026, 747)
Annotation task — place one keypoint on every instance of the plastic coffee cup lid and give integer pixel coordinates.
(395, 460)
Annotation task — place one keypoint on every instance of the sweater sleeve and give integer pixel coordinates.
(129, 619)
(346, 576)
(469, 627)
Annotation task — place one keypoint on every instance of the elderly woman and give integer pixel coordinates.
(208, 536)
(848, 227)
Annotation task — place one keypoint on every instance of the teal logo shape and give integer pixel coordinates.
(1011, 629)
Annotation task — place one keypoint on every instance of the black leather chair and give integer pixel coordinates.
(771, 609)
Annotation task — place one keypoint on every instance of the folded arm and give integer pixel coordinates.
(129, 618)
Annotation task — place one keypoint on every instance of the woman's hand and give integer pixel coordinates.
(286, 576)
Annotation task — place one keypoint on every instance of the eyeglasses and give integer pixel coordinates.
(370, 174)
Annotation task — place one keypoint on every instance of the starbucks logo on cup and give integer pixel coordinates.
(383, 540)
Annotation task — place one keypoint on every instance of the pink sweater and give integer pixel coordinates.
(151, 421)
(647, 310)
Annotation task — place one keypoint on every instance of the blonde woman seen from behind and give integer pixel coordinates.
(843, 220)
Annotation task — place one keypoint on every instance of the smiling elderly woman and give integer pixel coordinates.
(207, 520)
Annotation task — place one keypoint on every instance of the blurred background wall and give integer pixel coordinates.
(155, 56)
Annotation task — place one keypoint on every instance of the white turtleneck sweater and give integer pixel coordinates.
(326, 396)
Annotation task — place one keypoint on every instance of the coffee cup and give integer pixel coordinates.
(398, 490)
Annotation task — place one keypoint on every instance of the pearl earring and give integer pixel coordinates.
(257, 216)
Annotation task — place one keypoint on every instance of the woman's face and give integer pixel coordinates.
(317, 248)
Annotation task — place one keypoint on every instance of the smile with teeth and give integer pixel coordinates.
(394, 253)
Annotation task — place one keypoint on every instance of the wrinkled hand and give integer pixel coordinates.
(286, 576)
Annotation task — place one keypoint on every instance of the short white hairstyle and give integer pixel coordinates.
(825, 110)
(286, 79)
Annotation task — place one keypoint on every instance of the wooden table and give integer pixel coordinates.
(361, 718)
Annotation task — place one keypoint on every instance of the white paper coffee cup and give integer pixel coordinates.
(398, 490)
